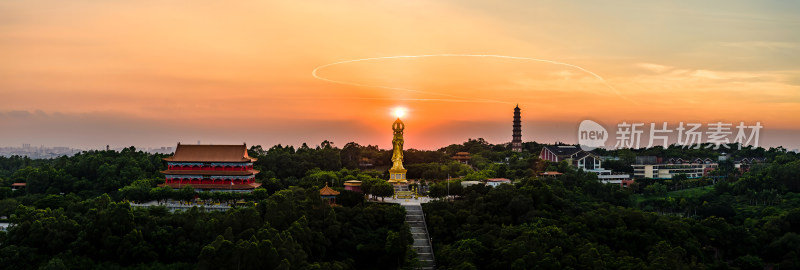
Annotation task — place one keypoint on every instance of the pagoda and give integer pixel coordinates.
(516, 136)
(211, 168)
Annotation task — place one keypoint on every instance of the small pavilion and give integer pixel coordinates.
(328, 194)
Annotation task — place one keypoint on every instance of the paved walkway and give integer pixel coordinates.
(417, 201)
(419, 230)
(173, 206)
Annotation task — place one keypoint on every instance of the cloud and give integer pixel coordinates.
(792, 79)
(721, 75)
(761, 45)
(653, 67)
(671, 73)
(18, 114)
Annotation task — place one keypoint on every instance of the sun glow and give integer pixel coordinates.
(399, 112)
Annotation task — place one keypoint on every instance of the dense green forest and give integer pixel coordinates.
(292, 229)
(76, 213)
(747, 220)
(549, 224)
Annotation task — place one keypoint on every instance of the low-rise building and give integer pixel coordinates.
(469, 183)
(670, 170)
(352, 185)
(493, 182)
(744, 164)
(609, 177)
(557, 153)
(365, 163)
(550, 174)
(572, 154)
(18, 186)
(586, 160)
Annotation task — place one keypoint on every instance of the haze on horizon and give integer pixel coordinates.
(152, 73)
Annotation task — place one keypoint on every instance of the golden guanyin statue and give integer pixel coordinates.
(397, 173)
(397, 143)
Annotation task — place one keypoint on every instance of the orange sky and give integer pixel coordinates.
(151, 73)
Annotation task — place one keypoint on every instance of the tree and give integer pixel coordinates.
(351, 154)
(656, 189)
(665, 256)
(319, 178)
(161, 194)
(395, 245)
(186, 193)
(350, 198)
(436, 191)
(260, 194)
(8, 206)
(445, 188)
(463, 251)
(382, 190)
(138, 191)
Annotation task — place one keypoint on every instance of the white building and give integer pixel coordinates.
(608, 177)
(469, 183)
(692, 168)
(493, 182)
(587, 161)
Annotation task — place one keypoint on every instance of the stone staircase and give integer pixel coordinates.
(422, 243)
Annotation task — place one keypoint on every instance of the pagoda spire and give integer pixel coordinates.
(516, 137)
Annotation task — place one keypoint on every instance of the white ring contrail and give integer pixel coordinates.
(314, 73)
(405, 99)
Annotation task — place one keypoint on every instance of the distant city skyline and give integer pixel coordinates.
(89, 74)
(497, 132)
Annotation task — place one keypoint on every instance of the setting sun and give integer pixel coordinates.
(399, 112)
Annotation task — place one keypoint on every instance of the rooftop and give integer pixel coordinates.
(583, 154)
(551, 173)
(327, 191)
(352, 183)
(563, 150)
(461, 156)
(210, 153)
(209, 172)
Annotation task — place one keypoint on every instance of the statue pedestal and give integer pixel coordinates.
(397, 175)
